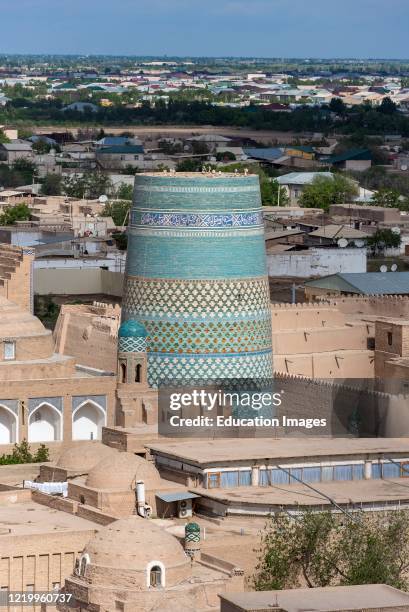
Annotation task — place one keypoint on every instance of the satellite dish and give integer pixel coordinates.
(359, 243)
(383, 268)
(103, 199)
(342, 243)
(404, 167)
(394, 267)
(396, 230)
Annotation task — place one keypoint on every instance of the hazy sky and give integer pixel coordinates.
(268, 28)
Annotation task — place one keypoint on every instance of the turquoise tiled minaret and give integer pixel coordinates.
(196, 276)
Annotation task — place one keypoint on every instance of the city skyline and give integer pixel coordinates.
(234, 28)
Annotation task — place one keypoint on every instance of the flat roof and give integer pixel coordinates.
(28, 518)
(359, 597)
(346, 492)
(217, 452)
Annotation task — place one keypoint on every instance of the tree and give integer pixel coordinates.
(3, 137)
(337, 106)
(384, 239)
(51, 184)
(324, 191)
(225, 156)
(318, 549)
(11, 214)
(386, 197)
(124, 192)
(118, 210)
(91, 185)
(41, 146)
(387, 107)
(26, 169)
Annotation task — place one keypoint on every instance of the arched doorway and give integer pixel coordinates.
(8, 426)
(44, 424)
(87, 422)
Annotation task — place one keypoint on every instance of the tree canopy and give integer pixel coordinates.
(318, 549)
(324, 191)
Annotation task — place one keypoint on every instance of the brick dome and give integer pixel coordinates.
(128, 546)
(121, 471)
(82, 460)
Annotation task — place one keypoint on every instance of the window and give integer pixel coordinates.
(9, 351)
(30, 587)
(390, 338)
(84, 561)
(155, 577)
(56, 586)
(138, 371)
(123, 372)
(213, 480)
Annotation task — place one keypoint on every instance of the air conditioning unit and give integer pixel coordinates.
(185, 508)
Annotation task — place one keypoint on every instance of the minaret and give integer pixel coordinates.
(196, 276)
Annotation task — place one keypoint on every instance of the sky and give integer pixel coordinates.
(256, 28)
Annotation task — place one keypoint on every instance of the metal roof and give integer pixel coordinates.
(268, 153)
(177, 496)
(366, 283)
(301, 178)
(122, 150)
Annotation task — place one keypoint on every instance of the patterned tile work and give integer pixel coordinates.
(179, 300)
(198, 367)
(196, 277)
(132, 345)
(204, 337)
(195, 219)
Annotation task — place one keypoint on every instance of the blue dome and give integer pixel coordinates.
(132, 329)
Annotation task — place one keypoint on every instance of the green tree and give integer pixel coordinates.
(387, 107)
(337, 106)
(91, 185)
(324, 191)
(51, 184)
(118, 210)
(384, 239)
(41, 146)
(3, 137)
(319, 549)
(26, 170)
(11, 214)
(125, 192)
(386, 197)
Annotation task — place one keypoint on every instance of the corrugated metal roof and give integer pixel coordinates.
(301, 178)
(366, 283)
(176, 496)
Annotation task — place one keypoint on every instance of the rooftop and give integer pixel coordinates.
(301, 178)
(366, 283)
(335, 231)
(345, 493)
(203, 452)
(328, 599)
(31, 518)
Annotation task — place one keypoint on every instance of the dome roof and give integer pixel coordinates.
(133, 542)
(121, 471)
(132, 329)
(16, 322)
(83, 459)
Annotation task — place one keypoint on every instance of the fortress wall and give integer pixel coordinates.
(304, 316)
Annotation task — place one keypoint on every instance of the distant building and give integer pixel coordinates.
(120, 156)
(295, 183)
(370, 283)
(12, 151)
(354, 159)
